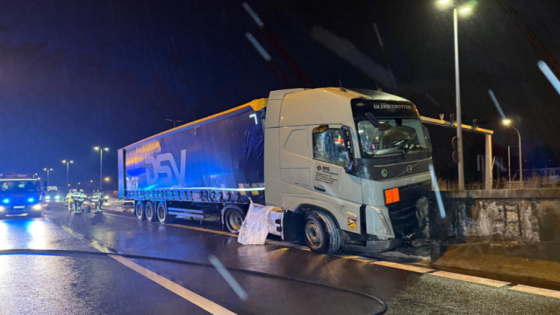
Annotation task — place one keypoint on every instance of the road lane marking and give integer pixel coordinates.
(183, 292)
(403, 267)
(203, 229)
(484, 281)
(539, 291)
(187, 294)
(412, 268)
(365, 259)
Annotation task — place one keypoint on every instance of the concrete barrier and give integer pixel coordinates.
(531, 215)
(506, 232)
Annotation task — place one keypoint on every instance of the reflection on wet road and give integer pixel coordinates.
(87, 284)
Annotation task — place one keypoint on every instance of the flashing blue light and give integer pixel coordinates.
(6, 200)
(30, 199)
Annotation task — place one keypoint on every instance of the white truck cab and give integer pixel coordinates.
(352, 163)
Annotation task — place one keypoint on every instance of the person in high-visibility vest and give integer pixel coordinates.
(70, 201)
(79, 197)
(99, 202)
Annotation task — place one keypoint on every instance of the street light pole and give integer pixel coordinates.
(520, 154)
(174, 121)
(48, 171)
(507, 122)
(101, 165)
(67, 171)
(460, 162)
(509, 164)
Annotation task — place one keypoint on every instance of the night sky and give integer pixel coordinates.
(77, 74)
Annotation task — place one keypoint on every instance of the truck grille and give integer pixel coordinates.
(403, 217)
(403, 213)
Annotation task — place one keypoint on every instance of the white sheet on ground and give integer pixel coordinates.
(254, 229)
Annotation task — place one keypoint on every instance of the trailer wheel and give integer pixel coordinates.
(163, 216)
(139, 211)
(150, 211)
(233, 219)
(320, 233)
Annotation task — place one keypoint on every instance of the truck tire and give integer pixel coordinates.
(139, 211)
(233, 219)
(320, 233)
(150, 211)
(163, 216)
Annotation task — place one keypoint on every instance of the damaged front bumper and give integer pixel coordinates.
(374, 247)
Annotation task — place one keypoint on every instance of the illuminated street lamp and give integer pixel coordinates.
(464, 9)
(507, 123)
(48, 170)
(107, 179)
(100, 165)
(67, 162)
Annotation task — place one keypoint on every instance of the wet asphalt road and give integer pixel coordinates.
(78, 283)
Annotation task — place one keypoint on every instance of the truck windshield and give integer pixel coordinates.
(405, 135)
(18, 186)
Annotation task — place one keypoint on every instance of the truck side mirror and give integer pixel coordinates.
(349, 149)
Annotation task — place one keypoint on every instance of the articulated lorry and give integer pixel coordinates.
(346, 165)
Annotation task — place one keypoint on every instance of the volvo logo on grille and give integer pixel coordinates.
(409, 168)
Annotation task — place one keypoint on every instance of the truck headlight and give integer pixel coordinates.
(48, 197)
(37, 207)
(2, 209)
(56, 197)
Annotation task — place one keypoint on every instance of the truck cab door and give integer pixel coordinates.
(330, 168)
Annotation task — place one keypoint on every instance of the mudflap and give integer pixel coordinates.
(292, 226)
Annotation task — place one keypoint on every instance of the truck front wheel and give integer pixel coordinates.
(320, 233)
(139, 211)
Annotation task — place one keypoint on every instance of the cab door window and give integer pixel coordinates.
(328, 146)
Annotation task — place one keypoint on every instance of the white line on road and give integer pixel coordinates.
(450, 275)
(183, 292)
(539, 291)
(456, 276)
(403, 267)
(188, 295)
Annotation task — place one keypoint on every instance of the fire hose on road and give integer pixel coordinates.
(192, 263)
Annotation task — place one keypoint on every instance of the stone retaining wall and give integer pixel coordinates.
(492, 216)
